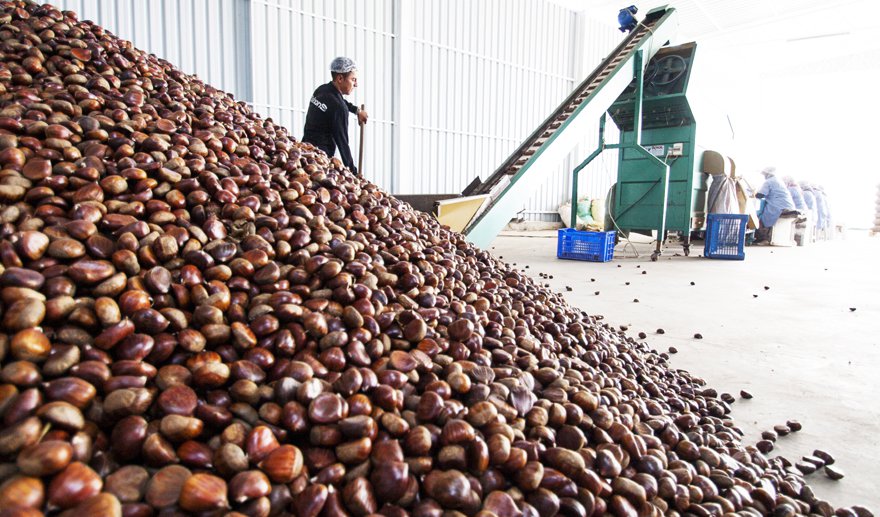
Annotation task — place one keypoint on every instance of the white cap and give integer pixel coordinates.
(769, 171)
(342, 65)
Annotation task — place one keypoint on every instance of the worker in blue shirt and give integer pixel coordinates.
(809, 198)
(777, 200)
(824, 217)
(810, 202)
(797, 194)
(327, 117)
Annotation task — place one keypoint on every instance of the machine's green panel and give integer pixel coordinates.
(667, 121)
(665, 91)
(687, 186)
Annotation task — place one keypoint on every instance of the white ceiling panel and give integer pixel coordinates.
(765, 32)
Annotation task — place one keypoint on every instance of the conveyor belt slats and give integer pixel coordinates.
(510, 184)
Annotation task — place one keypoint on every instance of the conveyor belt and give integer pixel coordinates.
(486, 224)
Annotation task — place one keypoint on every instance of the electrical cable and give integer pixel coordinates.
(608, 211)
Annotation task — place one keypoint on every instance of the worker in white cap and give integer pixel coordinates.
(327, 118)
(824, 211)
(797, 195)
(811, 199)
(777, 199)
(810, 203)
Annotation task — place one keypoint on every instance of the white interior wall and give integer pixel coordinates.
(480, 76)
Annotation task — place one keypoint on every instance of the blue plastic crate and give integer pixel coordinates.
(725, 236)
(591, 246)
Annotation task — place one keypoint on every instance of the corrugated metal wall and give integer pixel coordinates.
(209, 38)
(293, 44)
(483, 75)
(452, 86)
(478, 77)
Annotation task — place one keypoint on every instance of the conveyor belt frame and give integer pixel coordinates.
(511, 182)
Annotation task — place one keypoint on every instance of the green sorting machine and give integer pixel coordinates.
(659, 185)
(644, 191)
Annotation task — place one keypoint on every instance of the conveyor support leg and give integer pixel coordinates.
(577, 170)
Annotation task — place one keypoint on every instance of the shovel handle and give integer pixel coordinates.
(361, 150)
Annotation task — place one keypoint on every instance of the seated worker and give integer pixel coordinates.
(809, 198)
(823, 208)
(777, 202)
(810, 202)
(797, 195)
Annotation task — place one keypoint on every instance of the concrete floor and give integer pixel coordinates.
(797, 347)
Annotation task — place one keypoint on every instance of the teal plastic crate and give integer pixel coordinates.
(590, 246)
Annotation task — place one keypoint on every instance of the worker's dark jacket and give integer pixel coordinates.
(327, 123)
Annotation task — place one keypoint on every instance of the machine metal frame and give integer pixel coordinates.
(639, 74)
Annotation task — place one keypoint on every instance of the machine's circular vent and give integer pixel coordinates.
(666, 70)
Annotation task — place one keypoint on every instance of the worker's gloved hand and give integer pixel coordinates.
(362, 116)
(760, 196)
